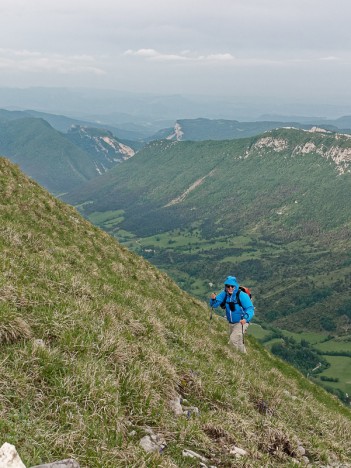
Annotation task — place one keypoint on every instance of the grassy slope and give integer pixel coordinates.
(119, 339)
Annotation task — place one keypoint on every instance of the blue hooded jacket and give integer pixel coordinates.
(247, 310)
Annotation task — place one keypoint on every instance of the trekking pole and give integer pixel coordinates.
(211, 315)
(242, 329)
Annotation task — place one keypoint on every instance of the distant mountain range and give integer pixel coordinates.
(151, 111)
(275, 209)
(342, 123)
(63, 123)
(94, 148)
(220, 129)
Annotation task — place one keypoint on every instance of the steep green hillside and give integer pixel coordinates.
(274, 209)
(95, 342)
(45, 154)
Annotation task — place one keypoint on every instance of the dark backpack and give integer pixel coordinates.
(241, 288)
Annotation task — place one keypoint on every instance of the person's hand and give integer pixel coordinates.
(213, 296)
(243, 321)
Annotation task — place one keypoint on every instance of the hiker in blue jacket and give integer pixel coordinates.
(238, 308)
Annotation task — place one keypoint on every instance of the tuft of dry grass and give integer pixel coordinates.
(277, 443)
(13, 328)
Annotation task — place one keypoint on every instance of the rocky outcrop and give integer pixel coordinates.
(338, 151)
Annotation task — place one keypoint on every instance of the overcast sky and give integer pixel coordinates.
(299, 49)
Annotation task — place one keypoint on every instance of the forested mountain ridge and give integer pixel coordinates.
(96, 344)
(274, 209)
(220, 129)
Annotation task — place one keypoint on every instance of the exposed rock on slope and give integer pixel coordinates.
(335, 147)
(104, 148)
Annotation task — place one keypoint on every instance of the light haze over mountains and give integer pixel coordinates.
(257, 57)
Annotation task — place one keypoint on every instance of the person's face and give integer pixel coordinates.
(230, 289)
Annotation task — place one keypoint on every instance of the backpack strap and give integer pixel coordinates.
(223, 303)
(238, 297)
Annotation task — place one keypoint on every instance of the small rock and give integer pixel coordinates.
(69, 463)
(149, 445)
(9, 457)
(237, 451)
(192, 454)
(176, 406)
(153, 442)
(300, 451)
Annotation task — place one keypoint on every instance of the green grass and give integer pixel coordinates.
(334, 345)
(340, 368)
(257, 331)
(95, 341)
(101, 218)
(312, 337)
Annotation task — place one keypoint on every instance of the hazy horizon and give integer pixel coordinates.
(281, 54)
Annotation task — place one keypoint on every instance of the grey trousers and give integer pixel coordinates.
(236, 335)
